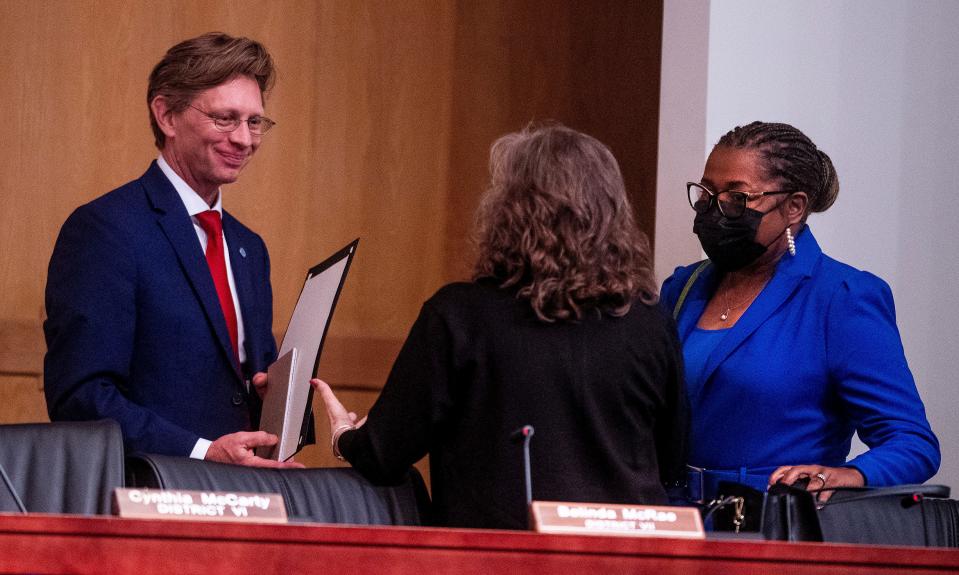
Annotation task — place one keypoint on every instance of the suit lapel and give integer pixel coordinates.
(177, 225)
(790, 272)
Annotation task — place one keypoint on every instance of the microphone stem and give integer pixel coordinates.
(526, 469)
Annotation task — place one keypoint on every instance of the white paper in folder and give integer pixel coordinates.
(291, 408)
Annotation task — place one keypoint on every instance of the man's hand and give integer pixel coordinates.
(237, 448)
(259, 382)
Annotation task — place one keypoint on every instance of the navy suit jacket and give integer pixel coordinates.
(135, 331)
(816, 357)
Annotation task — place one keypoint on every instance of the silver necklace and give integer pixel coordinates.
(725, 315)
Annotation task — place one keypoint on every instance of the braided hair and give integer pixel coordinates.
(790, 157)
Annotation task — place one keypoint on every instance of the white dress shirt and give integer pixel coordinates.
(194, 205)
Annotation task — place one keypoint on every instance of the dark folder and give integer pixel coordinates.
(287, 406)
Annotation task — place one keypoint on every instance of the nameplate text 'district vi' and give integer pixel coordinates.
(199, 505)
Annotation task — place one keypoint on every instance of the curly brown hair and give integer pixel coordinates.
(556, 224)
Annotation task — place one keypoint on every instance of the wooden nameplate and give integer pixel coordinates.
(199, 505)
(613, 519)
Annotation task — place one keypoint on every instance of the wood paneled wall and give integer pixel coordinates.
(385, 115)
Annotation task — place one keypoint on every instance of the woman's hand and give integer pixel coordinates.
(338, 415)
(820, 478)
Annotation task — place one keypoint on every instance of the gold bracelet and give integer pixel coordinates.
(336, 439)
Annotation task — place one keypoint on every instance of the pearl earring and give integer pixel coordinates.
(791, 242)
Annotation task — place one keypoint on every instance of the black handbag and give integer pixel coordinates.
(738, 509)
(789, 514)
(784, 512)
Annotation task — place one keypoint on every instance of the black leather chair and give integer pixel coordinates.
(63, 467)
(322, 495)
(918, 515)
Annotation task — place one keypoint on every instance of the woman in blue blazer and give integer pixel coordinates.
(788, 352)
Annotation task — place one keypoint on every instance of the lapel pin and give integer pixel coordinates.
(243, 252)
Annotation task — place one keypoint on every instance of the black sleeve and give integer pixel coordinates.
(672, 425)
(399, 429)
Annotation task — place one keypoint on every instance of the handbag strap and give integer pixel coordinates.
(689, 284)
(937, 491)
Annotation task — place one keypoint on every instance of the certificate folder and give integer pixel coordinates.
(287, 406)
(278, 405)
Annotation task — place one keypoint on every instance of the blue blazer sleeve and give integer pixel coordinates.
(866, 358)
(91, 301)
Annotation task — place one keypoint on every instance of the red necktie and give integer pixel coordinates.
(211, 224)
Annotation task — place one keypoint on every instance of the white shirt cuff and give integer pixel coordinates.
(200, 449)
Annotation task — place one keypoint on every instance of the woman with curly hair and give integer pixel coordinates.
(559, 329)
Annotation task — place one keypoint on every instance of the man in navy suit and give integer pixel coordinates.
(159, 305)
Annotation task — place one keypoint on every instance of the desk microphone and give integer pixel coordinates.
(524, 434)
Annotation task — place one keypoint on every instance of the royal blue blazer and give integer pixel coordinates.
(135, 331)
(816, 357)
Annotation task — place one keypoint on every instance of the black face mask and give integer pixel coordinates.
(730, 244)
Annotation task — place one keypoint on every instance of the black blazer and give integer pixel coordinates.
(604, 394)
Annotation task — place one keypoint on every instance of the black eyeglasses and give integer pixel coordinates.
(731, 204)
(258, 125)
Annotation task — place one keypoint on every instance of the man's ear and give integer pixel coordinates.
(795, 206)
(163, 114)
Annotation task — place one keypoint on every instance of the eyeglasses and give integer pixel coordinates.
(731, 204)
(258, 125)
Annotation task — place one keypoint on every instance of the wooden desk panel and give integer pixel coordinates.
(69, 544)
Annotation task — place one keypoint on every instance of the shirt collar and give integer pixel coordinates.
(193, 202)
